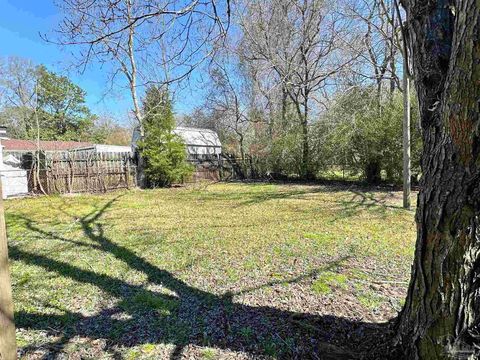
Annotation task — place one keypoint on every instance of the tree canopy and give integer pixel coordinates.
(34, 97)
(61, 108)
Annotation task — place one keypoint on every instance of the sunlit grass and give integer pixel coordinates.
(73, 256)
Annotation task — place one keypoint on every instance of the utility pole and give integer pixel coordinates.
(8, 347)
(407, 186)
(406, 135)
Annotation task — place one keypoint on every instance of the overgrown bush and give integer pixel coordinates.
(286, 152)
(363, 131)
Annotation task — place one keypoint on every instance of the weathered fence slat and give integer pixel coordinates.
(72, 172)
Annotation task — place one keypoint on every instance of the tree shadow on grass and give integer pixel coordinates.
(376, 202)
(362, 197)
(298, 194)
(169, 311)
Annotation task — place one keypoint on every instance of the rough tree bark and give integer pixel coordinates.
(441, 315)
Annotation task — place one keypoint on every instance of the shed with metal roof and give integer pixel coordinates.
(201, 143)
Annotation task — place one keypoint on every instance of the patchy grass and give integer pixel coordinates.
(328, 281)
(224, 271)
(370, 299)
(209, 354)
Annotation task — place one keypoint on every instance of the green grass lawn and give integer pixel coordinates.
(220, 271)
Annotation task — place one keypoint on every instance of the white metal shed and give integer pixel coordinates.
(200, 141)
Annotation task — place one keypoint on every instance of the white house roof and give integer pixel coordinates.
(198, 137)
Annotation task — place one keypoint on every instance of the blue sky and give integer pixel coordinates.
(21, 21)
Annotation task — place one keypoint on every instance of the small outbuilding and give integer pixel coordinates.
(104, 149)
(202, 144)
(204, 150)
(14, 178)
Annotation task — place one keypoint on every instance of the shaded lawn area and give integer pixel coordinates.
(226, 271)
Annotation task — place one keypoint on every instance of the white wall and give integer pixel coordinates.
(14, 180)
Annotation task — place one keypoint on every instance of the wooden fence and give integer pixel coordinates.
(202, 173)
(235, 168)
(76, 172)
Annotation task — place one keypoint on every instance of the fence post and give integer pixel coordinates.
(103, 165)
(47, 177)
(87, 171)
(127, 170)
(8, 347)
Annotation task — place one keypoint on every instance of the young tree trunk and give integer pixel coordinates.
(284, 105)
(131, 74)
(8, 348)
(306, 171)
(441, 315)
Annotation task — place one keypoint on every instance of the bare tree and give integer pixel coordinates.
(129, 38)
(380, 49)
(18, 78)
(379, 60)
(301, 42)
(230, 96)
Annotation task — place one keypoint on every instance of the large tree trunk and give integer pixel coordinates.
(441, 315)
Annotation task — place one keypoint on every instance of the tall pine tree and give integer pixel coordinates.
(164, 152)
